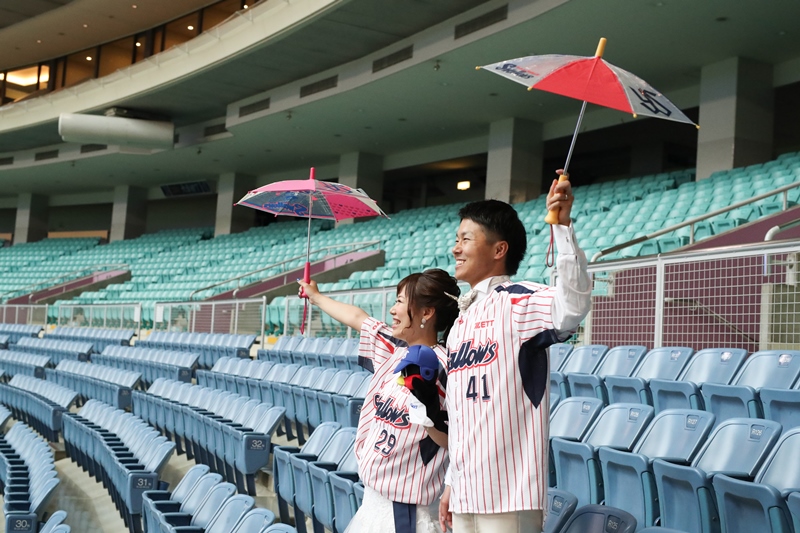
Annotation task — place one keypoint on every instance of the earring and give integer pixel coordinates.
(422, 324)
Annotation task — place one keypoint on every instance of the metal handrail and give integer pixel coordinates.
(695, 220)
(356, 246)
(774, 230)
(63, 277)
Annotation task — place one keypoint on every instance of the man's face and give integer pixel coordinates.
(474, 253)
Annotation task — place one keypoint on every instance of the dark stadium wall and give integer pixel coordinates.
(79, 217)
(8, 217)
(174, 213)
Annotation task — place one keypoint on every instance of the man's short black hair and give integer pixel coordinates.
(501, 222)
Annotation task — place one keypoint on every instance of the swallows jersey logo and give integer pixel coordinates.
(468, 357)
(385, 410)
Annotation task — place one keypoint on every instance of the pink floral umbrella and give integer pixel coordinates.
(313, 199)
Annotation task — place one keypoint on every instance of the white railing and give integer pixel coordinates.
(245, 316)
(23, 314)
(110, 316)
(739, 297)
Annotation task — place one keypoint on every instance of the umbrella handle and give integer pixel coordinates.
(306, 279)
(552, 215)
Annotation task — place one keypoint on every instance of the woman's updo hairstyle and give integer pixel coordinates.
(433, 288)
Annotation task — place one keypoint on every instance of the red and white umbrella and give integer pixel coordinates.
(591, 79)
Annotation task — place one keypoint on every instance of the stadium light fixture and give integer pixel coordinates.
(463, 185)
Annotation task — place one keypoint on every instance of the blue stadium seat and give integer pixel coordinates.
(560, 506)
(781, 405)
(344, 485)
(28, 477)
(793, 501)
(761, 505)
(656, 529)
(599, 519)
(337, 448)
(767, 368)
(318, 400)
(320, 473)
(737, 447)
(628, 482)
(577, 466)
(348, 408)
(255, 521)
(56, 519)
(570, 420)
(618, 361)
(658, 363)
(559, 353)
(206, 511)
(713, 365)
(584, 360)
(328, 400)
(280, 528)
(282, 472)
(181, 492)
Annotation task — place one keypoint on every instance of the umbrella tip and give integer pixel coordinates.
(478, 67)
(635, 115)
(697, 126)
(311, 174)
(530, 88)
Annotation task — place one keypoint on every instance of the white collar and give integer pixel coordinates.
(485, 286)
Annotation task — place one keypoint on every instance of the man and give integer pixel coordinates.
(498, 368)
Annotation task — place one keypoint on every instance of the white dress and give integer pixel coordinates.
(376, 515)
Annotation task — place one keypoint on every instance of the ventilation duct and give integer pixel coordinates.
(92, 129)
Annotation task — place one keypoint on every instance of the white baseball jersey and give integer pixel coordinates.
(498, 386)
(395, 457)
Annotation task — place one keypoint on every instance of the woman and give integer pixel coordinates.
(402, 465)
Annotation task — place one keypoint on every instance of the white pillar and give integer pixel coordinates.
(31, 223)
(129, 214)
(736, 115)
(230, 189)
(361, 170)
(514, 167)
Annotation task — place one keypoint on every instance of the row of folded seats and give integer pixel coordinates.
(4, 342)
(678, 468)
(28, 476)
(319, 480)
(32, 358)
(99, 337)
(120, 450)
(40, 404)
(202, 502)
(209, 346)
(230, 433)
(310, 394)
(151, 363)
(92, 381)
(56, 349)
(15, 332)
(725, 381)
(335, 352)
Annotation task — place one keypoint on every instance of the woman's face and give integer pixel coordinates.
(401, 324)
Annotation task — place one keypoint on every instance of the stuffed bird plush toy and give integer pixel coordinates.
(421, 373)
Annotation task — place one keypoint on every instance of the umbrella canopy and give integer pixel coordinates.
(591, 79)
(313, 199)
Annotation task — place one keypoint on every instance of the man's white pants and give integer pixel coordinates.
(516, 522)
